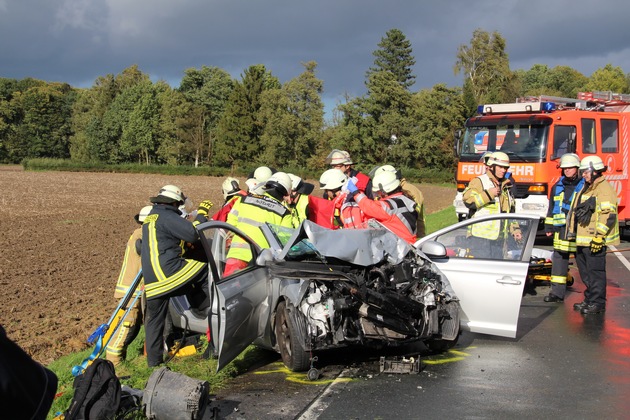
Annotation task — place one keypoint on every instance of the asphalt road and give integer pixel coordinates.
(561, 365)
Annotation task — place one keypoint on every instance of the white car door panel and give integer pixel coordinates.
(488, 277)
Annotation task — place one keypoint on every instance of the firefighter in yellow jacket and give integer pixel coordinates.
(492, 193)
(594, 222)
(117, 348)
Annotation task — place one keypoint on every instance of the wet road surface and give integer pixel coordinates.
(561, 365)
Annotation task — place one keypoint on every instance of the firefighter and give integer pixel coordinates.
(492, 193)
(412, 192)
(256, 180)
(232, 192)
(340, 159)
(562, 195)
(116, 350)
(393, 209)
(594, 222)
(252, 211)
(166, 270)
(327, 212)
(299, 199)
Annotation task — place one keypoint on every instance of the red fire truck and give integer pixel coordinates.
(535, 132)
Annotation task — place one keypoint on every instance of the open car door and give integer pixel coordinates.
(487, 271)
(239, 307)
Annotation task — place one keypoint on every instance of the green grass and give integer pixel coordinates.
(134, 372)
(441, 219)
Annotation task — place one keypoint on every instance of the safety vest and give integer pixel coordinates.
(299, 211)
(490, 229)
(130, 266)
(248, 215)
(604, 220)
(405, 209)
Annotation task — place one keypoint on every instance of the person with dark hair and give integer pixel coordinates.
(340, 159)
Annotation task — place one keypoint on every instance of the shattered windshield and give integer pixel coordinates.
(523, 142)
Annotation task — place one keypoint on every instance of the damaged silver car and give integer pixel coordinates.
(317, 289)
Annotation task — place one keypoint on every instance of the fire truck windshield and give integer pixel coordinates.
(523, 142)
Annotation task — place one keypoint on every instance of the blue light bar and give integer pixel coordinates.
(479, 109)
(548, 106)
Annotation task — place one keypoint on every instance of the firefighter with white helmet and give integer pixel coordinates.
(327, 212)
(594, 221)
(492, 193)
(116, 350)
(393, 209)
(252, 211)
(410, 191)
(232, 192)
(256, 179)
(562, 195)
(167, 271)
(340, 159)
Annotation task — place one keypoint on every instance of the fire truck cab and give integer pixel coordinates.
(535, 132)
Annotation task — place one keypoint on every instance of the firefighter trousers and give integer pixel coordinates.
(592, 268)
(559, 270)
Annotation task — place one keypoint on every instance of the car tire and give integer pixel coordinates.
(293, 357)
(450, 328)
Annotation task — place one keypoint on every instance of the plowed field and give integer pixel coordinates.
(63, 235)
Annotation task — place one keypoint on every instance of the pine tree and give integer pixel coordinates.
(395, 55)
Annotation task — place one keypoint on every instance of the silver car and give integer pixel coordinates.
(317, 289)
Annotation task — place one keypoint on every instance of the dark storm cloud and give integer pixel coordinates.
(78, 40)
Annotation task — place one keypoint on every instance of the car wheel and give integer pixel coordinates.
(439, 346)
(294, 358)
(450, 329)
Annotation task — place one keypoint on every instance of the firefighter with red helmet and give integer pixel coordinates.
(593, 221)
(562, 195)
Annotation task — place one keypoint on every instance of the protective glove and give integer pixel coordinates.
(597, 244)
(584, 211)
(351, 187)
(204, 207)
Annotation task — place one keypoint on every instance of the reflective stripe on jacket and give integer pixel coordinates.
(478, 199)
(604, 220)
(164, 237)
(396, 212)
(130, 266)
(562, 195)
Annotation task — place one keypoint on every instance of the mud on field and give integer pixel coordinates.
(63, 235)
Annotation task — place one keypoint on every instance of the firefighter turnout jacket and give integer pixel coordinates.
(165, 235)
(604, 221)
(562, 195)
(130, 266)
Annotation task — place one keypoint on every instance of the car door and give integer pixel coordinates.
(487, 275)
(239, 307)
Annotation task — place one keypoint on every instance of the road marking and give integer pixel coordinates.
(325, 398)
(297, 377)
(621, 258)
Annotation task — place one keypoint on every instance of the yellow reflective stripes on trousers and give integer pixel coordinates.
(559, 279)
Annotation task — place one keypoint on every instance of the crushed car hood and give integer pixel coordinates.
(362, 247)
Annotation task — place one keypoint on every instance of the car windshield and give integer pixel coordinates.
(523, 142)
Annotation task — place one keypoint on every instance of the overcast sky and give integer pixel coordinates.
(75, 41)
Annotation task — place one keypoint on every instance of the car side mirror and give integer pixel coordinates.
(433, 249)
(264, 257)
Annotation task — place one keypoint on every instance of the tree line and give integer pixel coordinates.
(215, 120)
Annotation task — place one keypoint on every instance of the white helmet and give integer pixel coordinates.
(144, 212)
(338, 157)
(279, 181)
(262, 173)
(230, 187)
(499, 159)
(388, 168)
(169, 194)
(386, 181)
(254, 187)
(592, 162)
(569, 160)
(332, 179)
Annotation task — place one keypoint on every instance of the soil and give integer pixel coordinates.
(63, 235)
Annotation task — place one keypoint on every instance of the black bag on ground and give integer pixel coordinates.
(96, 393)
